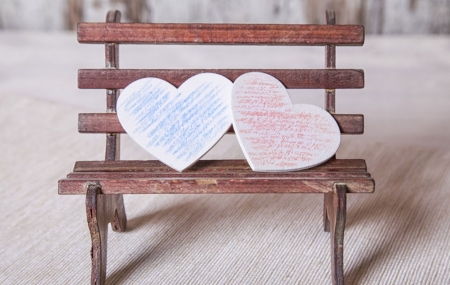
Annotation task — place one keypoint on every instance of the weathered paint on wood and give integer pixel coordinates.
(291, 78)
(211, 175)
(334, 218)
(112, 150)
(178, 126)
(209, 166)
(108, 123)
(378, 16)
(240, 34)
(330, 63)
(276, 135)
(208, 185)
(102, 210)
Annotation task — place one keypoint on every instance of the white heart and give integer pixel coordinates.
(177, 126)
(276, 135)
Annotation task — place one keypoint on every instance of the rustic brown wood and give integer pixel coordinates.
(326, 221)
(207, 185)
(213, 175)
(208, 166)
(330, 63)
(291, 78)
(330, 96)
(113, 16)
(112, 151)
(241, 34)
(336, 202)
(109, 123)
(102, 210)
(98, 227)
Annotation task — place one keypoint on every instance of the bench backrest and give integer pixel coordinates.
(112, 33)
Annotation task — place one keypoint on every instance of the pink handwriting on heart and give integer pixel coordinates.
(276, 135)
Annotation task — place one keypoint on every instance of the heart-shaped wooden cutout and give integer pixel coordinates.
(177, 126)
(276, 135)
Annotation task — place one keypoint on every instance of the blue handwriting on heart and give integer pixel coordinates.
(177, 126)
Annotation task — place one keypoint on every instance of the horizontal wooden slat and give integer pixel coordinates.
(350, 124)
(216, 185)
(109, 123)
(215, 175)
(248, 34)
(291, 78)
(209, 166)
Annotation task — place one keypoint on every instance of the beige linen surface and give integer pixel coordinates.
(398, 235)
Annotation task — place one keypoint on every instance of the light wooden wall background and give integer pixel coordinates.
(379, 16)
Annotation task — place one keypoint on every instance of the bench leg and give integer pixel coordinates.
(101, 210)
(326, 202)
(335, 210)
(119, 223)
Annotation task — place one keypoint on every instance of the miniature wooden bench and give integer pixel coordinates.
(104, 182)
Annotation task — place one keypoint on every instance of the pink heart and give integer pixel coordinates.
(276, 135)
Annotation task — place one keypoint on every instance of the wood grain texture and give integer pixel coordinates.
(291, 78)
(378, 16)
(213, 175)
(325, 220)
(336, 208)
(208, 185)
(109, 123)
(208, 166)
(98, 228)
(113, 16)
(112, 149)
(242, 34)
(330, 63)
(102, 210)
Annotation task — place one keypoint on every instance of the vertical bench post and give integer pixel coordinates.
(330, 103)
(335, 202)
(103, 209)
(330, 63)
(112, 151)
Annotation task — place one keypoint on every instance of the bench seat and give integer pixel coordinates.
(213, 176)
